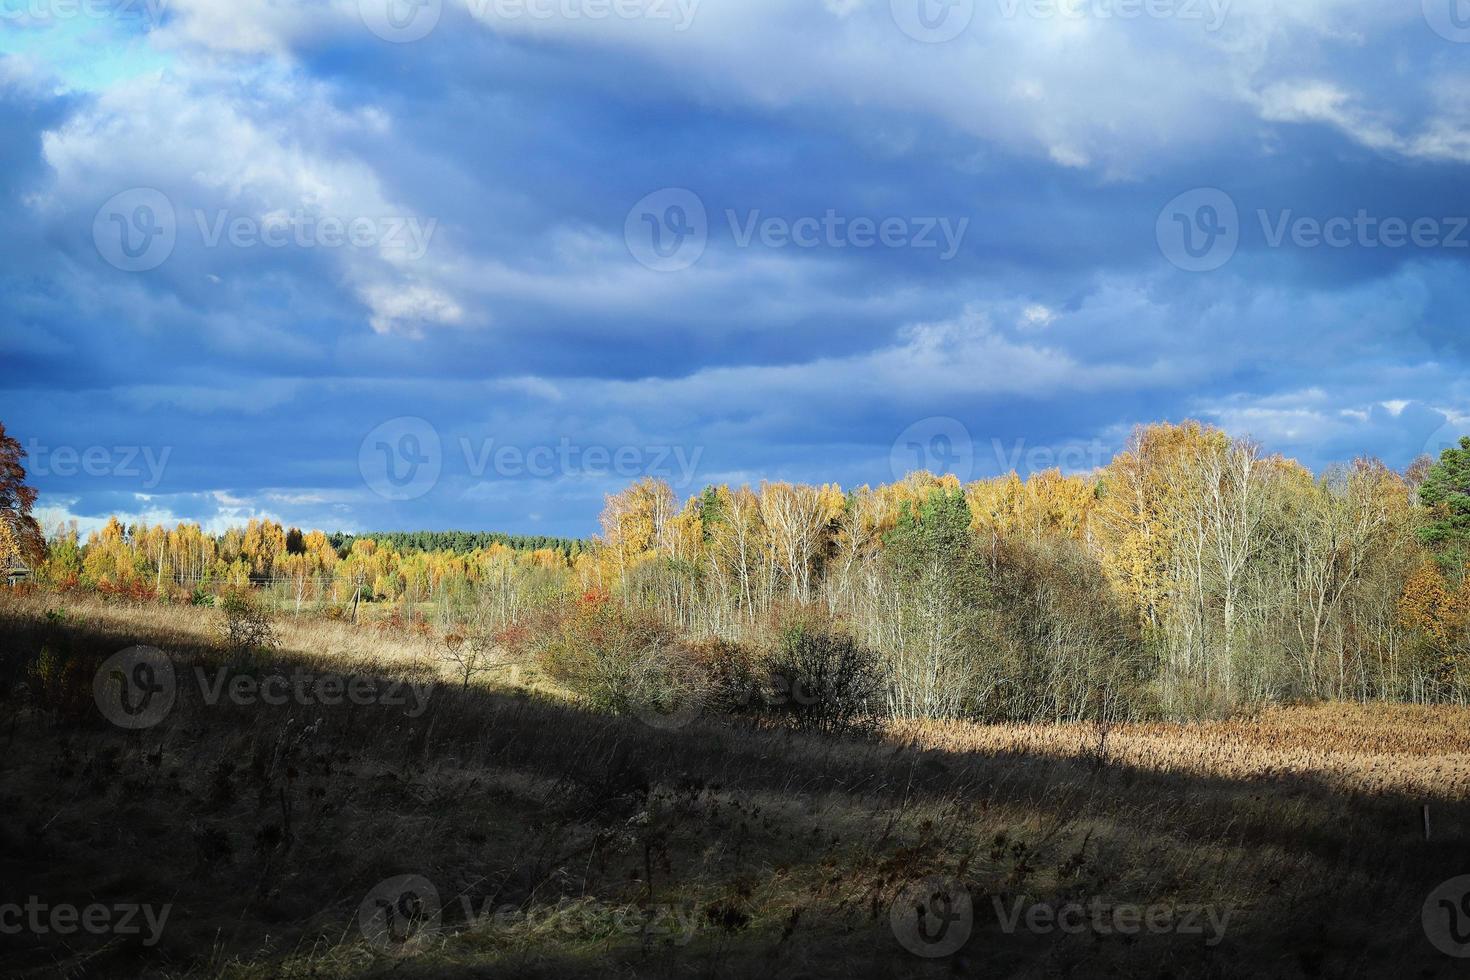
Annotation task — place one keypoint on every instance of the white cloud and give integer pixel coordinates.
(1444, 136)
(232, 158)
(1037, 316)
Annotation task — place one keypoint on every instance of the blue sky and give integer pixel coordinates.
(367, 264)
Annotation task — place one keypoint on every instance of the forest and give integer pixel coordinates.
(1190, 577)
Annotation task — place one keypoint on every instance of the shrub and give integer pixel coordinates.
(465, 656)
(62, 682)
(245, 628)
(732, 675)
(819, 679)
(619, 660)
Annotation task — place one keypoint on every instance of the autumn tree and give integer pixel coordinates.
(20, 535)
(1439, 614)
(796, 519)
(635, 522)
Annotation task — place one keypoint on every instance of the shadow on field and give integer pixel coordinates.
(256, 834)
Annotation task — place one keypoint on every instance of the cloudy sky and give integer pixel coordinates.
(398, 264)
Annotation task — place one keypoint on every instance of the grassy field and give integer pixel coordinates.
(500, 830)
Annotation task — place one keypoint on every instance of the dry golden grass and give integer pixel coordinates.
(163, 624)
(1361, 748)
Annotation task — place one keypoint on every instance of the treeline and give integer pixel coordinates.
(459, 542)
(310, 570)
(1192, 575)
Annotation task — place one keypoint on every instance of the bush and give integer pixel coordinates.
(732, 673)
(818, 679)
(620, 660)
(245, 628)
(62, 682)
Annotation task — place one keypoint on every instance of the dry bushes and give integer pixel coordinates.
(618, 659)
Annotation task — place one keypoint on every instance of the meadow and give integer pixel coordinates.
(501, 827)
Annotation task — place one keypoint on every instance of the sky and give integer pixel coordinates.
(410, 264)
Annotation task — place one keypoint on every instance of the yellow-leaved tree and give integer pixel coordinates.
(20, 536)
